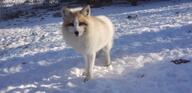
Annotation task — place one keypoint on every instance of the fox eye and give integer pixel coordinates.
(82, 24)
(70, 24)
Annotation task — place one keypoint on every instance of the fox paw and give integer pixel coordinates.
(84, 73)
(85, 79)
(107, 65)
(86, 76)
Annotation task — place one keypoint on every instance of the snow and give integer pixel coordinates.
(11, 2)
(35, 59)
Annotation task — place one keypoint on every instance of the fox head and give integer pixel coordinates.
(76, 22)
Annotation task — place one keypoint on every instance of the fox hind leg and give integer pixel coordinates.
(107, 58)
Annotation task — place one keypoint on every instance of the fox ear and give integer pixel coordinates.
(86, 10)
(65, 11)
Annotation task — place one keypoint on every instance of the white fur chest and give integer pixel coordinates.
(77, 43)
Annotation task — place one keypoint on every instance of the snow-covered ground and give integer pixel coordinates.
(35, 59)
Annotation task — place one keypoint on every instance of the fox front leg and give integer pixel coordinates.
(86, 66)
(89, 65)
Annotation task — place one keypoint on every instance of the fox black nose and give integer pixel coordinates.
(76, 33)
